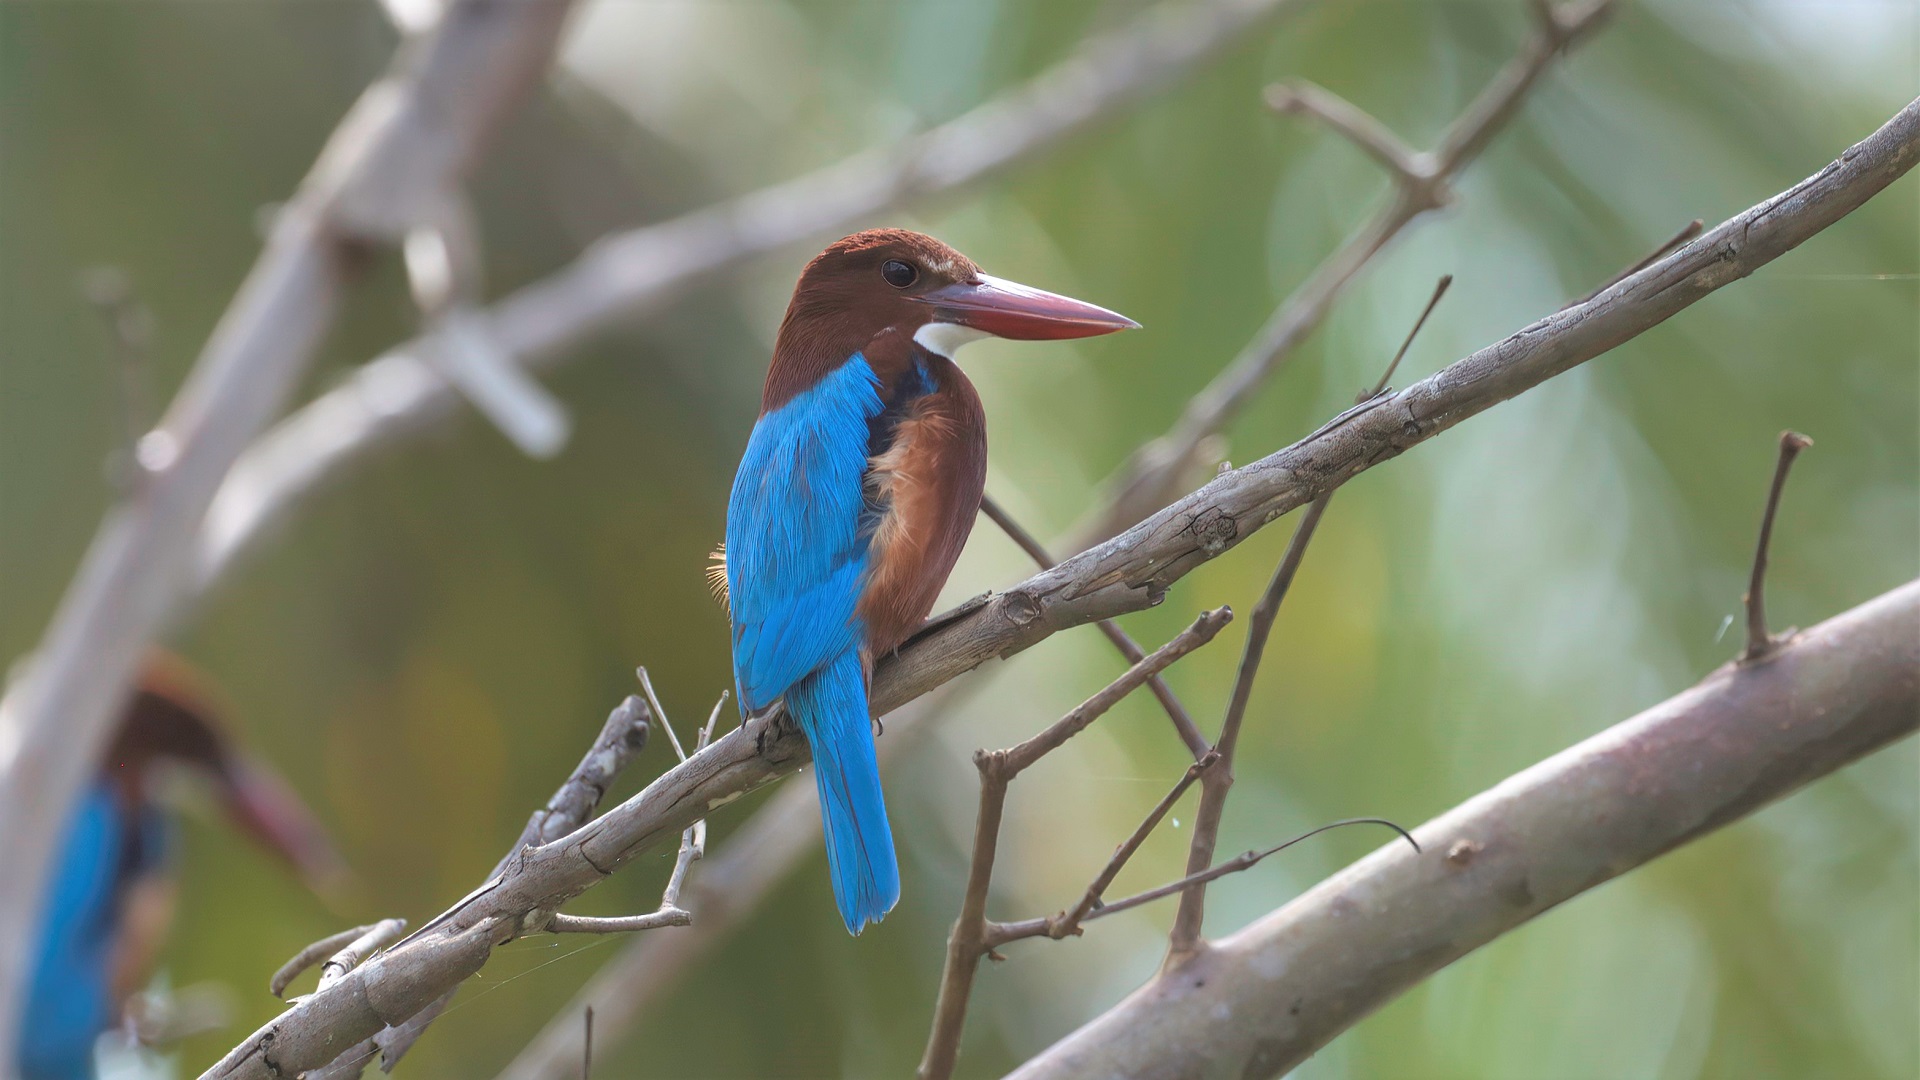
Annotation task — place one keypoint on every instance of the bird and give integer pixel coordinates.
(110, 898)
(858, 487)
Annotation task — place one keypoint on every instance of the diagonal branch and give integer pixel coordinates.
(1129, 573)
(406, 141)
(1156, 473)
(1263, 1000)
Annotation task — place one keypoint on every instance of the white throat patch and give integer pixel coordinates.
(942, 338)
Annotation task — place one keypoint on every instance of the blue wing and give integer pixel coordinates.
(68, 1001)
(796, 552)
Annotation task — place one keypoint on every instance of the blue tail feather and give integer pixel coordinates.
(830, 705)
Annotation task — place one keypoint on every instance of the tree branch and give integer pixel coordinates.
(1128, 573)
(998, 768)
(1216, 783)
(398, 394)
(1183, 724)
(1156, 473)
(1261, 1001)
(405, 142)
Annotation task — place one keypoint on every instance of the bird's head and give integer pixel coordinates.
(876, 291)
(172, 726)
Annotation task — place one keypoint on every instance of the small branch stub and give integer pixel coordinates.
(1759, 641)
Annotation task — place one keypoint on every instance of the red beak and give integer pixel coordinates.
(260, 804)
(1008, 309)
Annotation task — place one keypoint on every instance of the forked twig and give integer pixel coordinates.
(1217, 781)
(966, 944)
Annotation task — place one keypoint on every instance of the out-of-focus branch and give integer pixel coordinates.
(1759, 641)
(1258, 1003)
(406, 141)
(968, 941)
(1157, 473)
(399, 393)
(1128, 573)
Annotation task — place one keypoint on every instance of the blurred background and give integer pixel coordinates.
(427, 648)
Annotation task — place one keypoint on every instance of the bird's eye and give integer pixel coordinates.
(899, 274)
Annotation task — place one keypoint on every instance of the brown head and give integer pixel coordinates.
(174, 721)
(876, 291)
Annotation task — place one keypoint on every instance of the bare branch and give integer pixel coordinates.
(1156, 473)
(625, 924)
(1217, 782)
(1264, 999)
(1759, 641)
(1068, 922)
(1183, 724)
(1673, 243)
(966, 943)
(653, 699)
(999, 934)
(311, 955)
(399, 394)
(621, 739)
(1410, 169)
(1021, 757)
(407, 140)
(376, 937)
(1128, 573)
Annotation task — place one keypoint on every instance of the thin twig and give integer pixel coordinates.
(1183, 724)
(1156, 473)
(1383, 146)
(1069, 921)
(653, 699)
(311, 955)
(586, 1048)
(1217, 782)
(1759, 641)
(621, 924)
(1667, 247)
(997, 769)
(999, 934)
(372, 940)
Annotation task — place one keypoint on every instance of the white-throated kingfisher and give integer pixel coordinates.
(110, 898)
(857, 491)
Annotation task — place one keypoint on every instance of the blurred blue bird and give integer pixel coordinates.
(857, 491)
(109, 901)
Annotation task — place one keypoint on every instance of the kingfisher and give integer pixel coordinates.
(857, 490)
(110, 898)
